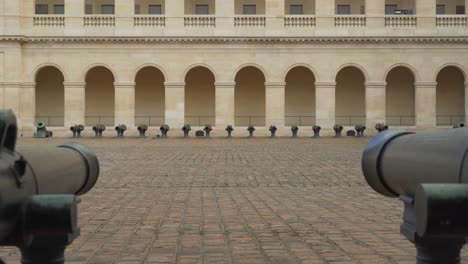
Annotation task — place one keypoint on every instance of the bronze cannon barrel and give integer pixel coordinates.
(395, 162)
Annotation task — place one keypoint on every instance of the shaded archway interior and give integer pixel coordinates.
(249, 96)
(450, 97)
(50, 97)
(149, 97)
(350, 97)
(400, 97)
(200, 97)
(99, 97)
(300, 97)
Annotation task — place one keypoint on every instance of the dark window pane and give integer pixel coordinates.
(344, 9)
(42, 9)
(107, 9)
(250, 9)
(460, 10)
(202, 10)
(59, 9)
(440, 9)
(137, 10)
(154, 10)
(390, 9)
(296, 10)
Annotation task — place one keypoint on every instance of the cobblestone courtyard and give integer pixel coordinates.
(233, 201)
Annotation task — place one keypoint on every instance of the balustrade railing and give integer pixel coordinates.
(199, 21)
(400, 120)
(309, 120)
(299, 21)
(449, 120)
(50, 121)
(350, 21)
(249, 21)
(400, 21)
(48, 21)
(99, 21)
(451, 21)
(149, 21)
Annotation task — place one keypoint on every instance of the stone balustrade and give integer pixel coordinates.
(249, 21)
(400, 21)
(48, 21)
(199, 21)
(350, 21)
(149, 21)
(451, 21)
(299, 21)
(99, 21)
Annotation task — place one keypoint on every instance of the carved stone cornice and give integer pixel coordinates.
(162, 39)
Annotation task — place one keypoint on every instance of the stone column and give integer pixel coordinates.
(325, 104)
(175, 104)
(225, 17)
(375, 12)
(275, 103)
(225, 104)
(74, 103)
(175, 10)
(124, 12)
(274, 12)
(426, 104)
(27, 105)
(11, 99)
(325, 12)
(375, 103)
(466, 98)
(426, 12)
(74, 13)
(125, 103)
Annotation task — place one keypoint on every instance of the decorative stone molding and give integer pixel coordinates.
(174, 85)
(375, 85)
(10, 84)
(325, 85)
(425, 84)
(225, 85)
(74, 85)
(31, 85)
(275, 84)
(123, 85)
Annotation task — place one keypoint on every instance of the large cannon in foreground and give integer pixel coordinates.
(38, 188)
(429, 173)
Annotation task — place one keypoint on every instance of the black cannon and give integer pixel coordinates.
(186, 129)
(316, 130)
(294, 130)
(338, 129)
(229, 130)
(39, 185)
(76, 130)
(459, 125)
(428, 172)
(273, 130)
(41, 131)
(98, 129)
(381, 127)
(360, 130)
(207, 130)
(142, 130)
(251, 130)
(164, 129)
(120, 130)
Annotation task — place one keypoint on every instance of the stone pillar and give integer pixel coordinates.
(225, 17)
(125, 103)
(466, 98)
(27, 105)
(275, 103)
(11, 99)
(426, 12)
(124, 12)
(375, 12)
(74, 103)
(74, 13)
(175, 10)
(175, 104)
(274, 12)
(375, 103)
(225, 104)
(325, 104)
(426, 104)
(325, 12)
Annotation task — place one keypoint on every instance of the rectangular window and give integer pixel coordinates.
(154, 10)
(296, 9)
(460, 10)
(137, 10)
(59, 9)
(250, 9)
(343, 9)
(363, 10)
(440, 9)
(107, 9)
(89, 9)
(42, 9)
(202, 10)
(390, 9)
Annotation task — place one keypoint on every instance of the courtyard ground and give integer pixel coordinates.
(239, 200)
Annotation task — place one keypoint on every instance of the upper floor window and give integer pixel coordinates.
(59, 9)
(390, 9)
(406, 7)
(460, 10)
(154, 10)
(249, 9)
(42, 9)
(107, 9)
(343, 9)
(137, 10)
(440, 9)
(202, 10)
(296, 9)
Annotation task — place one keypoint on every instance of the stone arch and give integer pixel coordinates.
(90, 67)
(50, 96)
(450, 64)
(254, 65)
(99, 96)
(450, 95)
(200, 96)
(400, 96)
(300, 96)
(150, 94)
(146, 65)
(203, 65)
(49, 64)
(413, 70)
(305, 65)
(355, 65)
(250, 97)
(350, 96)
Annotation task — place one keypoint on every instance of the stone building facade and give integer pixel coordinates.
(234, 62)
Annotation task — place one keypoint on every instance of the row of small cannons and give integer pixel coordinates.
(120, 129)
